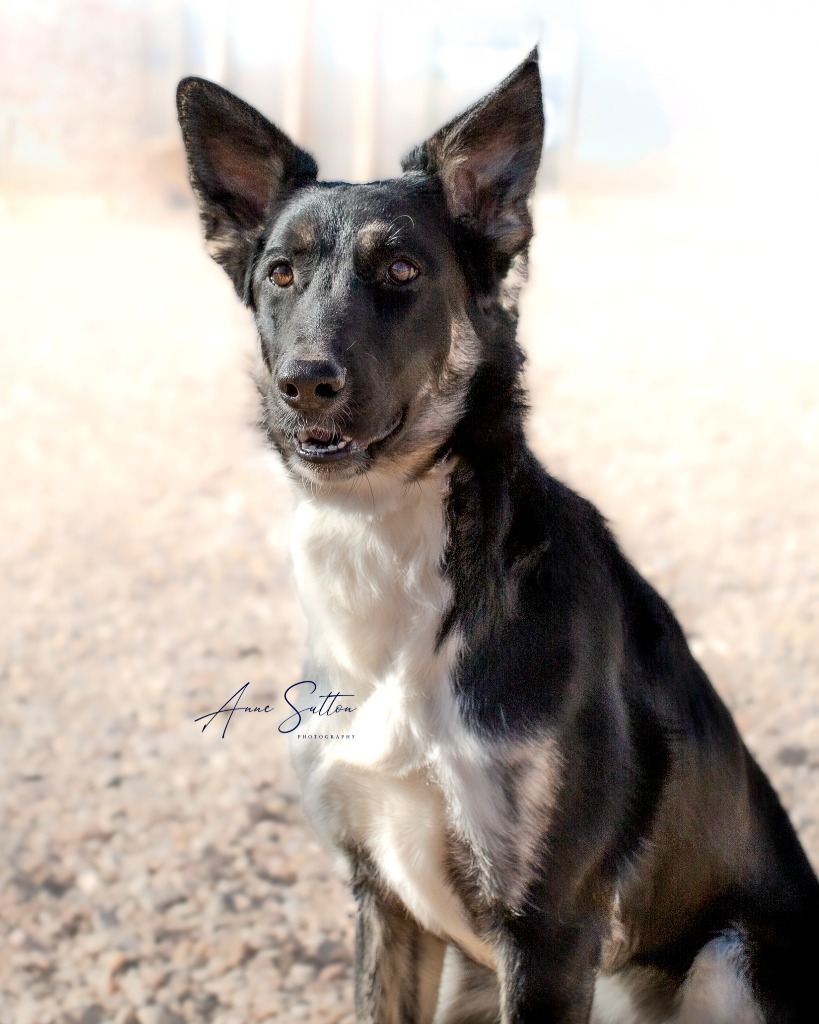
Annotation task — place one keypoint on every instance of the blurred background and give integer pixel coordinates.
(636, 93)
(152, 873)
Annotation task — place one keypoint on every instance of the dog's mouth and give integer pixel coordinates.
(317, 445)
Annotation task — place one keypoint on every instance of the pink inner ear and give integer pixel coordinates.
(472, 192)
(474, 178)
(463, 192)
(491, 163)
(245, 173)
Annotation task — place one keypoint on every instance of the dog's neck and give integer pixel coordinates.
(378, 495)
(370, 579)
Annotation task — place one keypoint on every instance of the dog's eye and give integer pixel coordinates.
(282, 275)
(401, 272)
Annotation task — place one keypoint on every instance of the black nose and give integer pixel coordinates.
(310, 384)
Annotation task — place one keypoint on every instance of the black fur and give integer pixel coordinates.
(662, 813)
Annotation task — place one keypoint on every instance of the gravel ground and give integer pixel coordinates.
(154, 873)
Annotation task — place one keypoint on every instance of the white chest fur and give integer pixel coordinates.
(374, 594)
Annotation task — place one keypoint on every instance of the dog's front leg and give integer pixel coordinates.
(398, 963)
(547, 970)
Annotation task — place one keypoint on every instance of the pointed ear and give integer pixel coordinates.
(487, 159)
(239, 165)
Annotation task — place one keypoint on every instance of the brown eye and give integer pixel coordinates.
(281, 275)
(401, 272)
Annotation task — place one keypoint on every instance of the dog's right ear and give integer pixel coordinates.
(240, 165)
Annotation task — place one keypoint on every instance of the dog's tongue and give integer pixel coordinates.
(317, 434)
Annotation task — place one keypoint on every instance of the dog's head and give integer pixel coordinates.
(375, 304)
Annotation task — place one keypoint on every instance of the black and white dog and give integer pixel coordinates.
(547, 814)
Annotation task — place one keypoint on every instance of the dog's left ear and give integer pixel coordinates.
(240, 165)
(487, 159)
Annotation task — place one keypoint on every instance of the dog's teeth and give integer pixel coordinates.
(314, 440)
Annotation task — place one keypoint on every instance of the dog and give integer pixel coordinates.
(547, 813)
